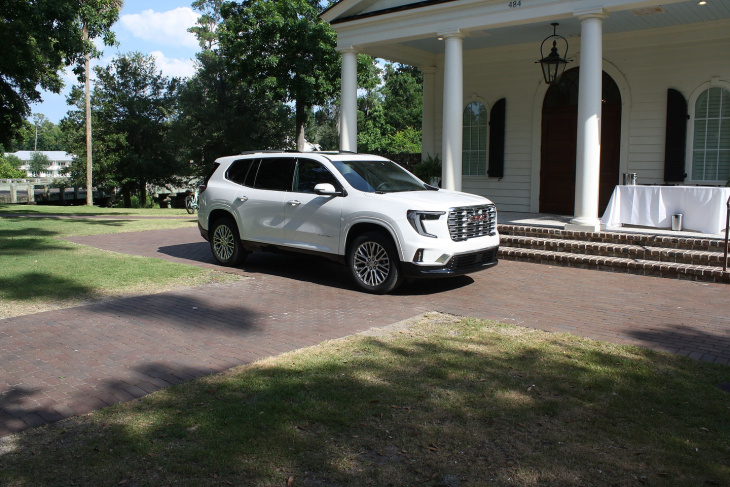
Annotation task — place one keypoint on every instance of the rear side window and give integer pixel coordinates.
(238, 170)
(275, 174)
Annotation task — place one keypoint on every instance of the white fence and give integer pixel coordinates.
(29, 190)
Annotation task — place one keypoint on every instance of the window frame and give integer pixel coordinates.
(483, 164)
(691, 111)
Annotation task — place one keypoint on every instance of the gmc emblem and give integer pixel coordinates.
(478, 218)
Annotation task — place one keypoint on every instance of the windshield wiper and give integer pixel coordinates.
(431, 188)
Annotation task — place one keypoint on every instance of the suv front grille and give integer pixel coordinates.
(472, 221)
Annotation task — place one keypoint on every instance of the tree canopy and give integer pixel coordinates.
(282, 47)
(40, 37)
(133, 105)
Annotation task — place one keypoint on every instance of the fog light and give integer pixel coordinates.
(418, 257)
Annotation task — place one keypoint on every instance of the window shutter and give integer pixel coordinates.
(496, 140)
(676, 137)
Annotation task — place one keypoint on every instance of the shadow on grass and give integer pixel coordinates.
(466, 410)
(34, 285)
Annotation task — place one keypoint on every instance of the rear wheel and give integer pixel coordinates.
(374, 264)
(225, 243)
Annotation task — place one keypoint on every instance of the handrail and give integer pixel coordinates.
(727, 233)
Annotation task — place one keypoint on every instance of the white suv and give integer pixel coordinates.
(363, 211)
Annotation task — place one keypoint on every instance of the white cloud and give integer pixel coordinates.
(174, 67)
(168, 28)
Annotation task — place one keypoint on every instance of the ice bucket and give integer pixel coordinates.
(629, 179)
(677, 222)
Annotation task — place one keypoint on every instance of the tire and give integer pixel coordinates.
(225, 243)
(189, 204)
(374, 264)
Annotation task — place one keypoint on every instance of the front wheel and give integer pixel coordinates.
(374, 264)
(189, 204)
(225, 243)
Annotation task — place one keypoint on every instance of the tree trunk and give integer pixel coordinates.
(300, 118)
(142, 194)
(87, 74)
(127, 195)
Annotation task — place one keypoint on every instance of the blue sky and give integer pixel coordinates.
(156, 27)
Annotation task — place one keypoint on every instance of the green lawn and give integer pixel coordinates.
(41, 271)
(90, 211)
(444, 402)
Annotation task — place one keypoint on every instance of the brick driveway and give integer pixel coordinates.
(66, 362)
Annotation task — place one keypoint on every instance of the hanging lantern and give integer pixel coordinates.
(553, 65)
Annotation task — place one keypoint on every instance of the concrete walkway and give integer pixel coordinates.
(66, 362)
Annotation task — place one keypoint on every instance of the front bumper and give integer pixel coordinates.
(458, 265)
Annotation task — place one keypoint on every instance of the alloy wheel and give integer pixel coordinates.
(371, 263)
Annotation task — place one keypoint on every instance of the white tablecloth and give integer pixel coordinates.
(703, 208)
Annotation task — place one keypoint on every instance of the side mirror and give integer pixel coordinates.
(326, 189)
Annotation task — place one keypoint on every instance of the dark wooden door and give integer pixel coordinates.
(557, 170)
(610, 153)
(559, 139)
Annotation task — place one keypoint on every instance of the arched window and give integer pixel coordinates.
(474, 149)
(711, 136)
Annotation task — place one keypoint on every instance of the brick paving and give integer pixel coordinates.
(62, 363)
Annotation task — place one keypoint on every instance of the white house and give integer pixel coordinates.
(60, 160)
(652, 98)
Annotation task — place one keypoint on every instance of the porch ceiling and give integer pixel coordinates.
(666, 15)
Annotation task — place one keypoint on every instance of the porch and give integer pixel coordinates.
(543, 238)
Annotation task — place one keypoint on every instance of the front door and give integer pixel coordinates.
(559, 143)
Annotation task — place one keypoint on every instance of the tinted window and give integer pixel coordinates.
(311, 173)
(238, 170)
(275, 174)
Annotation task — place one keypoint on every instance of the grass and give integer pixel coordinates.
(90, 211)
(443, 401)
(42, 272)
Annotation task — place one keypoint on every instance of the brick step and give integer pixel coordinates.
(617, 264)
(648, 240)
(621, 250)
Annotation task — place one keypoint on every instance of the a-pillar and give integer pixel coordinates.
(453, 110)
(588, 152)
(348, 101)
(428, 124)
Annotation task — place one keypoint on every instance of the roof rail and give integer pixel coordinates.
(266, 151)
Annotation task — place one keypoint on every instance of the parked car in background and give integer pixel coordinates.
(363, 211)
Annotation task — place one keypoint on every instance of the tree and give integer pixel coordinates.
(218, 115)
(38, 163)
(282, 47)
(133, 105)
(10, 166)
(39, 38)
(42, 135)
(97, 18)
(389, 117)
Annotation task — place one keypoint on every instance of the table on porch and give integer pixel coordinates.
(703, 208)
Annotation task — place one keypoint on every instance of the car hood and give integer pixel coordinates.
(440, 200)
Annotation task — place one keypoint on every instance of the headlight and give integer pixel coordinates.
(416, 218)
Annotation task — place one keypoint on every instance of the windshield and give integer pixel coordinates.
(378, 176)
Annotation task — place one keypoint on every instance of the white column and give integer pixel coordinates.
(453, 110)
(588, 152)
(348, 101)
(428, 124)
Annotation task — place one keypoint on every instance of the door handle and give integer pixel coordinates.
(294, 202)
(242, 199)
